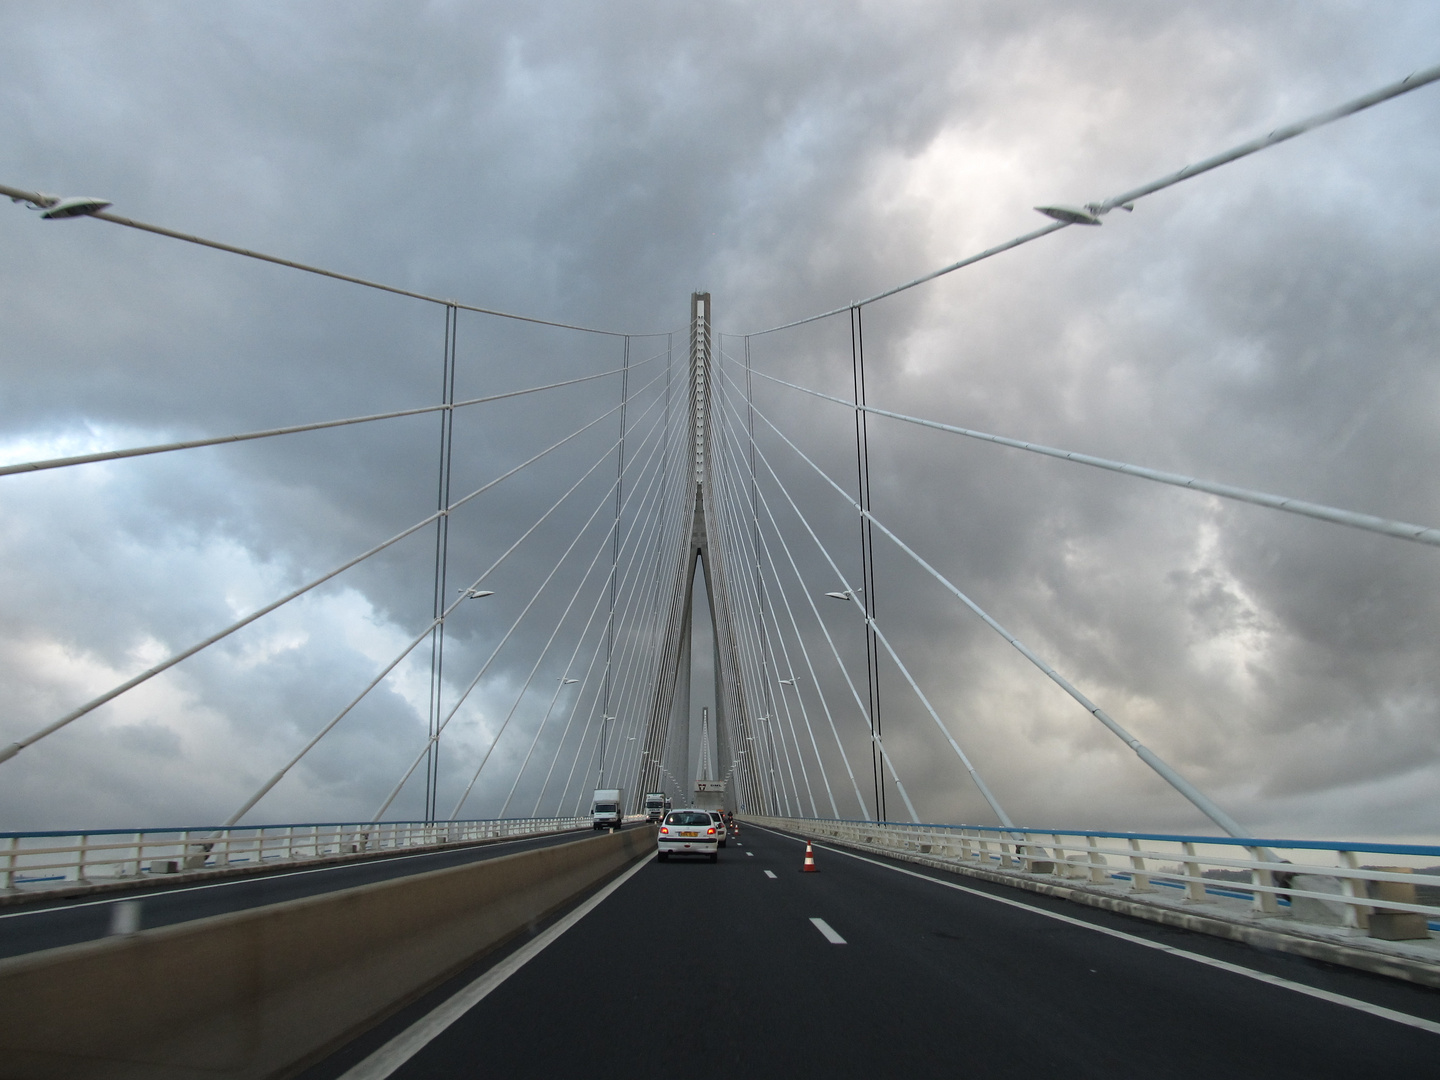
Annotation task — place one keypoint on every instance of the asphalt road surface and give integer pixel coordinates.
(49, 924)
(871, 968)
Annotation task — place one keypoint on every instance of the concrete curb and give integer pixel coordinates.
(1293, 941)
(260, 993)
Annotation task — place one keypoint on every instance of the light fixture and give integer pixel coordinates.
(56, 208)
(77, 206)
(1070, 215)
(475, 594)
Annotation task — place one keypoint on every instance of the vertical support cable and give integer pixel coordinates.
(615, 553)
(442, 554)
(867, 551)
(769, 700)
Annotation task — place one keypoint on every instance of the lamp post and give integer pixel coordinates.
(872, 681)
(604, 729)
(437, 689)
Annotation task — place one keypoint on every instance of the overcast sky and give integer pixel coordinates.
(1272, 324)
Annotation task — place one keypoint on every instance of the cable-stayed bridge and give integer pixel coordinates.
(690, 561)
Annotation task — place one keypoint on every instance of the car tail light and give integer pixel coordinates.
(709, 832)
(663, 829)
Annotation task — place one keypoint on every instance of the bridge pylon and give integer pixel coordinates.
(667, 734)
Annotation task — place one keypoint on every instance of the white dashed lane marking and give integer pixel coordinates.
(830, 935)
(770, 874)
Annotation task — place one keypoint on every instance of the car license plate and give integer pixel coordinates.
(689, 834)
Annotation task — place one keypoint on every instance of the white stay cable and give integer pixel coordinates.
(638, 660)
(739, 467)
(574, 710)
(491, 658)
(874, 736)
(789, 716)
(851, 595)
(762, 657)
(734, 441)
(543, 653)
(569, 720)
(814, 681)
(42, 201)
(666, 586)
(220, 440)
(804, 711)
(1092, 211)
(280, 774)
(736, 504)
(14, 748)
(731, 506)
(1202, 801)
(628, 597)
(834, 652)
(434, 737)
(585, 732)
(645, 458)
(1402, 530)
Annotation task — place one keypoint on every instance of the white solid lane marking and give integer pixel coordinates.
(830, 935)
(413, 1039)
(770, 874)
(1235, 969)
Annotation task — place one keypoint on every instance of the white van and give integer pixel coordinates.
(607, 809)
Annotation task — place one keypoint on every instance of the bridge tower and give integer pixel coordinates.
(667, 735)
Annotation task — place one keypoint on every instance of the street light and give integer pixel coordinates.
(604, 728)
(1072, 215)
(475, 594)
(787, 682)
(56, 208)
(566, 682)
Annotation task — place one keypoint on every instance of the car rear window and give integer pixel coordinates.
(688, 817)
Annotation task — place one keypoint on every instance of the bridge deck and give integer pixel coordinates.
(930, 981)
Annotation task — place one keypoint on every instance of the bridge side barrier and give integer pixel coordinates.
(259, 993)
(57, 860)
(1364, 905)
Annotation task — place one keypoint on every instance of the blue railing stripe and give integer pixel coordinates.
(1232, 841)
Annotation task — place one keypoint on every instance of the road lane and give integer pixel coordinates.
(50, 924)
(929, 982)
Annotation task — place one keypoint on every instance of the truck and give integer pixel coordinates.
(607, 809)
(655, 805)
(710, 795)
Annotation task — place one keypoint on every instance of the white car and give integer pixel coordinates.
(720, 829)
(688, 832)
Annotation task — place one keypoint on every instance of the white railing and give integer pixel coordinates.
(58, 859)
(1379, 888)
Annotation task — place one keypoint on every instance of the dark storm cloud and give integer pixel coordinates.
(1270, 324)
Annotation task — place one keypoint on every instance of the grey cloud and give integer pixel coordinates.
(1270, 324)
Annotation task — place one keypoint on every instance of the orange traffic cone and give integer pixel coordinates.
(809, 867)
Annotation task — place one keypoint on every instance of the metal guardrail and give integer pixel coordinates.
(1383, 889)
(41, 860)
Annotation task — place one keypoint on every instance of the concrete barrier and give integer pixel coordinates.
(258, 993)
